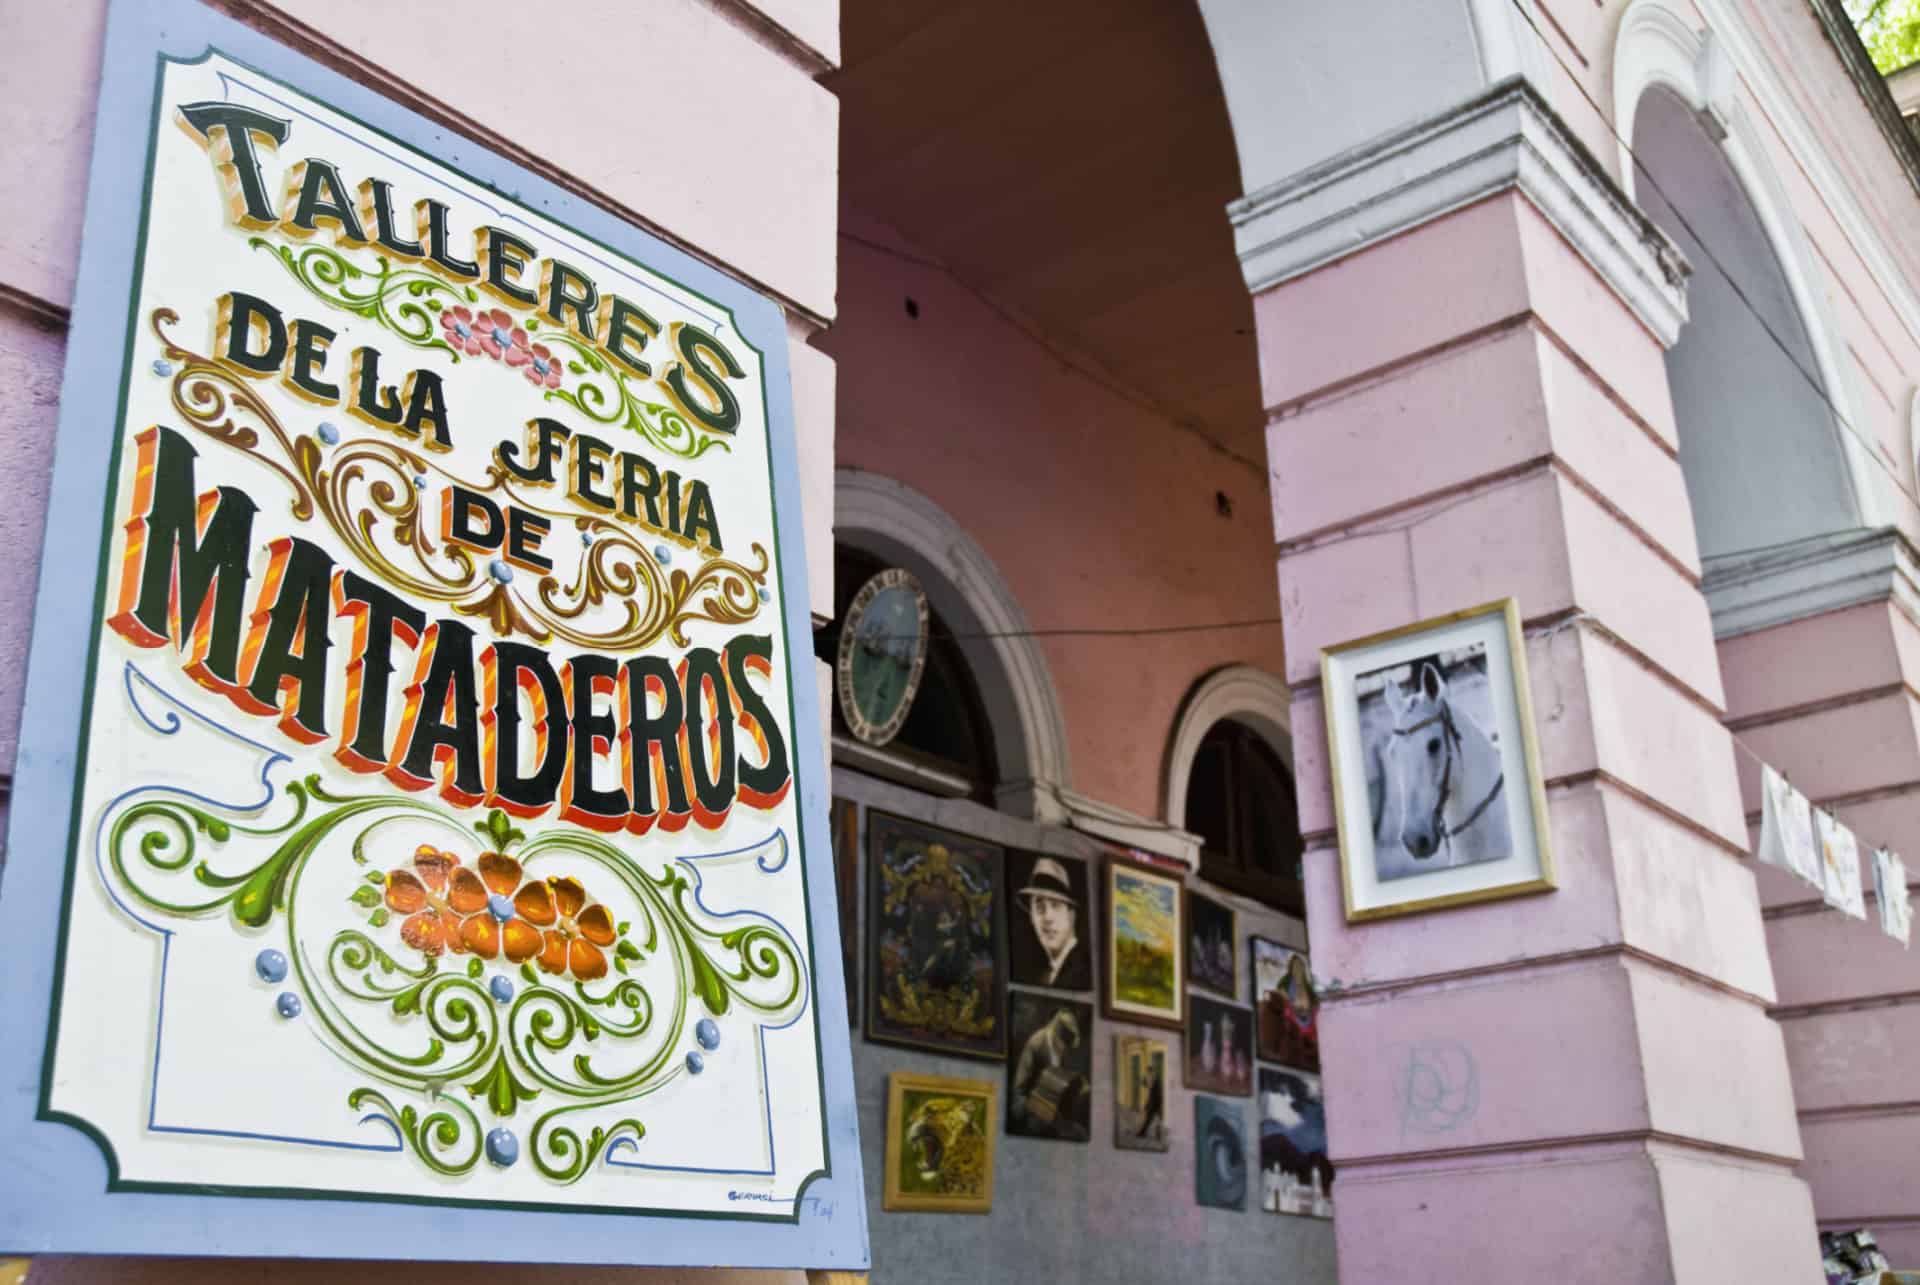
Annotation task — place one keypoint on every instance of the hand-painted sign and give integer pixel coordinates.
(432, 832)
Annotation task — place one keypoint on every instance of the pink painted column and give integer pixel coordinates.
(1470, 403)
(1844, 729)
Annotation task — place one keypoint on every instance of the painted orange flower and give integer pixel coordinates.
(493, 910)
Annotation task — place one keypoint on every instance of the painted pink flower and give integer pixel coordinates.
(462, 331)
(543, 368)
(502, 340)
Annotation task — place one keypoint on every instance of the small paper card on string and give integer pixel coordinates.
(1890, 891)
(1840, 854)
(1786, 829)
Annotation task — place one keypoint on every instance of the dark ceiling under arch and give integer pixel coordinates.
(1070, 160)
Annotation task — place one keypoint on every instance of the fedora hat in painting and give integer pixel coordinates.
(1049, 879)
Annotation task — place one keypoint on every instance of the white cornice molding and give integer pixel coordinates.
(1503, 139)
(1242, 693)
(1118, 825)
(1811, 577)
(975, 598)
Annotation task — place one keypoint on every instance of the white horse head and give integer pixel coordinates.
(1444, 771)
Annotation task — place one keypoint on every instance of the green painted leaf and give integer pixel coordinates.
(503, 1090)
(379, 918)
(475, 968)
(622, 927)
(366, 896)
(526, 971)
(374, 876)
(626, 950)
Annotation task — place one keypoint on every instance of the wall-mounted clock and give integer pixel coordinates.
(883, 651)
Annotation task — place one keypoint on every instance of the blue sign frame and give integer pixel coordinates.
(59, 1189)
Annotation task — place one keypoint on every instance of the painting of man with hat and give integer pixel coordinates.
(1047, 934)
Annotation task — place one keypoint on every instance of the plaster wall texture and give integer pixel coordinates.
(755, 86)
(1063, 1212)
(1100, 514)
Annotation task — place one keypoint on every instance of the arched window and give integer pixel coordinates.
(946, 732)
(1240, 801)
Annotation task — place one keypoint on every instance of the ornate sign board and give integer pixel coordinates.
(417, 848)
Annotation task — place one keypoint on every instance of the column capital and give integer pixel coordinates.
(1504, 138)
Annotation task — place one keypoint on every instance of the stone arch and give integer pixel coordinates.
(894, 521)
(1825, 480)
(1239, 692)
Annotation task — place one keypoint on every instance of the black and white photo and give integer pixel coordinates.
(1047, 938)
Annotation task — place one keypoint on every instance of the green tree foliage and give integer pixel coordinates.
(1890, 29)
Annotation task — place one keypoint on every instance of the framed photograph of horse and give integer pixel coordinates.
(1436, 773)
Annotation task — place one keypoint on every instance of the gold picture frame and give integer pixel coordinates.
(1145, 934)
(940, 1142)
(1422, 781)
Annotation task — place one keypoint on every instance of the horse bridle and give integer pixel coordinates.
(1450, 738)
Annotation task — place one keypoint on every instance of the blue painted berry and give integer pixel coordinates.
(707, 1031)
(695, 1063)
(501, 989)
(502, 1147)
(288, 1005)
(271, 965)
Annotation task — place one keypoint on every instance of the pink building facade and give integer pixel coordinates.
(1170, 343)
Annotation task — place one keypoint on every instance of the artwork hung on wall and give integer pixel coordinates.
(1295, 1175)
(1436, 774)
(1047, 929)
(939, 1144)
(936, 952)
(1219, 1047)
(1143, 945)
(845, 821)
(1050, 1068)
(1211, 962)
(1286, 1008)
(1220, 1153)
(1139, 1093)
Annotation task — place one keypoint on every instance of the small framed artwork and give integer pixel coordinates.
(1220, 1153)
(1143, 946)
(939, 1144)
(1139, 1093)
(1047, 928)
(1050, 1067)
(844, 817)
(936, 945)
(1286, 1007)
(1436, 773)
(1295, 1175)
(1212, 958)
(1219, 1047)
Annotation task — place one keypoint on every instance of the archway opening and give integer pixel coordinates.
(1760, 446)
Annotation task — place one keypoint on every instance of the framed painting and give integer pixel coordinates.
(936, 944)
(1047, 922)
(1139, 1093)
(939, 1144)
(1286, 1007)
(1212, 958)
(1219, 1153)
(844, 819)
(1295, 1175)
(1050, 1067)
(1143, 946)
(1436, 773)
(1219, 1047)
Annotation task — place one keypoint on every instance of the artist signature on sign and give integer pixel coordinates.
(815, 1205)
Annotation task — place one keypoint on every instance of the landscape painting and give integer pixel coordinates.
(1295, 1175)
(1143, 946)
